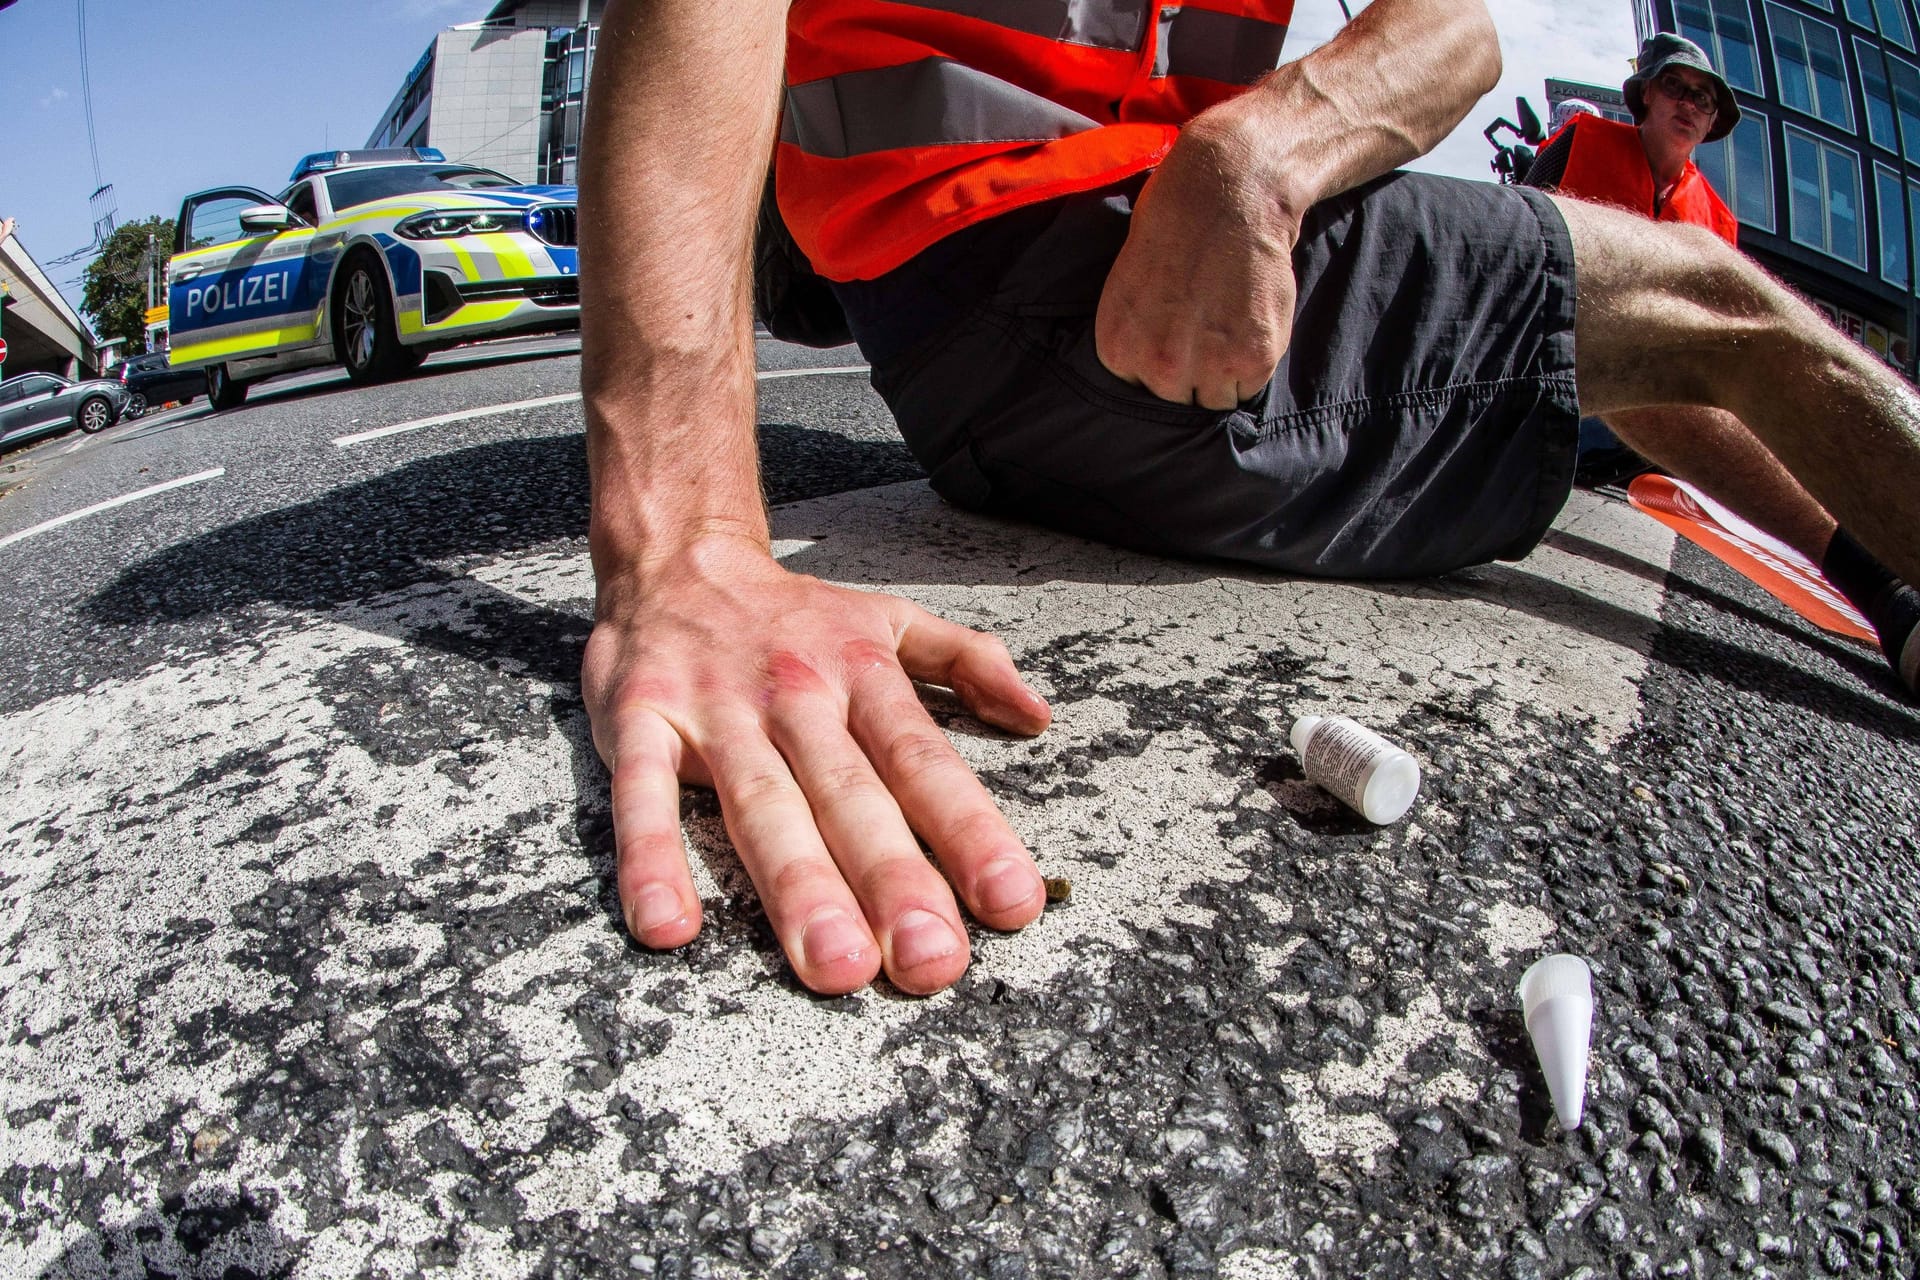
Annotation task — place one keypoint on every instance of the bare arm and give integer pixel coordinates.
(1199, 305)
(709, 663)
(682, 113)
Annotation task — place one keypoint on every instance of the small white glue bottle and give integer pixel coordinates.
(1356, 764)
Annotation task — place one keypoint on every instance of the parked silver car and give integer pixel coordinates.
(39, 404)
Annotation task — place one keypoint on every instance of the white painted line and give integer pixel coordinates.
(492, 410)
(765, 374)
(111, 503)
(440, 420)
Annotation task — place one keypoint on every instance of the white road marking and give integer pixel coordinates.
(465, 415)
(439, 420)
(111, 503)
(768, 374)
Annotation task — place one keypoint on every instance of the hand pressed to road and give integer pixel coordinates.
(794, 701)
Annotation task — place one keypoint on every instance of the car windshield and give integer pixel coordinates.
(360, 186)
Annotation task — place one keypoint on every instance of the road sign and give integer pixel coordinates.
(3, 350)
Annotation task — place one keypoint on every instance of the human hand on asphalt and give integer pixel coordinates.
(794, 700)
(1198, 308)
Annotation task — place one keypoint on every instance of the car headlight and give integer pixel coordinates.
(447, 224)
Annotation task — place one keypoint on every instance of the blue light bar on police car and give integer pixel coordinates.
(322, 161)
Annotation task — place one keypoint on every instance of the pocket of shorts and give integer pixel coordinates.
(1078, 358)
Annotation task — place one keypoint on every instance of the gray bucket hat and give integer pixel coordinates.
(1668, 50)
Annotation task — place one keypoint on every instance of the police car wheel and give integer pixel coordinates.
(223, 392)
(369, 347)
(95, 415)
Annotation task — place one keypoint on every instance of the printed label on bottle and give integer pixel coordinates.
(1339, 754)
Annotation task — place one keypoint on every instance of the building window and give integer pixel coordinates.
(1824, 197)
(1811, 68)
(1913, 212)
(1888, 17)
(1740, 167)
(1879, 94)
(1905, 79)
(1887, 189)
(1724, 28)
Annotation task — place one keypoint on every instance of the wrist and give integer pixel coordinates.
(1254, 147)
(628, 567)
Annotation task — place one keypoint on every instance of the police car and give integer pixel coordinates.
(370, 259)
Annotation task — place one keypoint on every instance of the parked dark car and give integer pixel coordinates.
(154, 382)
(39, 404)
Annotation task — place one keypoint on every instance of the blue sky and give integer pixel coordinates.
(189, 94)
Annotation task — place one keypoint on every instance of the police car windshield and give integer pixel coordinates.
(350, 187)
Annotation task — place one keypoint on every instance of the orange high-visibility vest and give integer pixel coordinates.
(907, 120)
(1608, 163)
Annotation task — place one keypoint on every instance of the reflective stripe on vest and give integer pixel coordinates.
(921, 104)
(908, 120)
(1098, 24)
(1217, 46)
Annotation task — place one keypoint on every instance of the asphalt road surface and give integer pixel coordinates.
(310, 963)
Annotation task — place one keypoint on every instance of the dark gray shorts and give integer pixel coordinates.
(1424, 419)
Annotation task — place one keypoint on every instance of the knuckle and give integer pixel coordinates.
(981, 829)
(842, 782)
(803, 881)
(912, 755)
(863, 655)
(787, 672)
(889, 879)
(647, 848)
(761, 787)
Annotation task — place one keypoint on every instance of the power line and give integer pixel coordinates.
(86, 94)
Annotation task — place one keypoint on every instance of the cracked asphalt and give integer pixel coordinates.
(310, 963)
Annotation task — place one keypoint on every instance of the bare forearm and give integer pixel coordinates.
(1388, 89)
(679, 125)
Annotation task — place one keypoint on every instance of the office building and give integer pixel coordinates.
(506, 92)
(1824, 169)
(1604, 98)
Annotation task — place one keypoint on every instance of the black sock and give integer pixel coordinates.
(1891, 605)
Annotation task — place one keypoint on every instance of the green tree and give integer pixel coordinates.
(115, 298)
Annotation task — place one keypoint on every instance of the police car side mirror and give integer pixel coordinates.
(267, 217)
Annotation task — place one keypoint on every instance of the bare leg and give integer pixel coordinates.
(1670, 315)
(1714, 449)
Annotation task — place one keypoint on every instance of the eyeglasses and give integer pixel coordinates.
(1701, 96)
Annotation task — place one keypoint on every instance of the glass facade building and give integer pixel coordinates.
(1823, 171)
(506, 92)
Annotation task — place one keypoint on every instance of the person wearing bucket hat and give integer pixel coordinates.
(1678, 102)
(1663, 52)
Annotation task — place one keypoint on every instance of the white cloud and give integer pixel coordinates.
(57, 95)
(1562, 39)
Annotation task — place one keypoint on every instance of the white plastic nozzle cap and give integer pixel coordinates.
(1556, 998)
(1391, 786)
(1302, 732)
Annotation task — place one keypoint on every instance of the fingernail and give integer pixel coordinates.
(922, 937)
(655, 907)
(1007, 883)
(831, 936)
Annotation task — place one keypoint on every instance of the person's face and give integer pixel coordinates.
(1681, 106)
